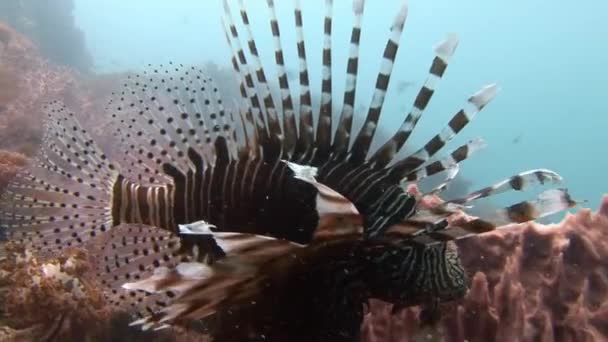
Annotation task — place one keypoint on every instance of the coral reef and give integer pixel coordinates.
(51, 25)
(10, 163)
(535, 283)
(55, 300)
(48, 299)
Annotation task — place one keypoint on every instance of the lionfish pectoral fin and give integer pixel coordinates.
(337, 215)
(196, 228)
(252, 248)
(202, 289)
(518, 182)
(199, 294)
(547, 203)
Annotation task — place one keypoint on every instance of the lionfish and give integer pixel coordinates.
(248, 219)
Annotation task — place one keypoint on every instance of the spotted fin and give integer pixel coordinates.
(133, 253)
(64, 198)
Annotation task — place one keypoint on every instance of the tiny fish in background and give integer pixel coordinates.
(518, 138)
(250, 214)
(403, 86)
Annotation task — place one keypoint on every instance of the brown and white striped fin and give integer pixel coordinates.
(443, 53)
(64, 198)
(252, 248)
(455, 157)
(337, 215)
(364, 139)
(202, 289)
(289, 119)
(345, 123)
(547, 203)
(474, 105)
(451, 171)
(238, 53)
(306, 126)
(274, 124)
(428, 227)
(517, 182)
(324, 125)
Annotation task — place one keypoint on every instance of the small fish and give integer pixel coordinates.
(403, 86)
(517, 139)
(250, 213)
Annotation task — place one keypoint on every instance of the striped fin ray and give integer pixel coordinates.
(364, 139)
(324, 125)
(474, 105)
(306, 129)
(517, 182)
(289, 120)
(63, 199)
(443, 53)
(451, 173)
(258, 126)
(238, 53)
(546, 203)
(343, 131)
(274, 125)
(454, 158)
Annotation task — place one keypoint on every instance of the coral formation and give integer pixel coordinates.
(535, 283)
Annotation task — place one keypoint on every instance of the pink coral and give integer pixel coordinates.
(534, 283)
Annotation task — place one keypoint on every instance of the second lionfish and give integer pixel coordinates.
(248, 218)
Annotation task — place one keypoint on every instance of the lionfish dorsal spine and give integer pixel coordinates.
(244, 69)
(365, 136)
(460, 120)
(443, 53)
(324, 122)
(289, 119)
(306, 128)
(274, 124)
(343, 131)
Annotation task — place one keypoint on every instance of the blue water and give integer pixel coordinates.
(546, 56)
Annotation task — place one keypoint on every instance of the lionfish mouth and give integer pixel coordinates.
(206, 199)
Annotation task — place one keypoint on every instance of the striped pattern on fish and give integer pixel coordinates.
(209, 207)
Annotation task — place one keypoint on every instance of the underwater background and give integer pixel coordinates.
(547, 57)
